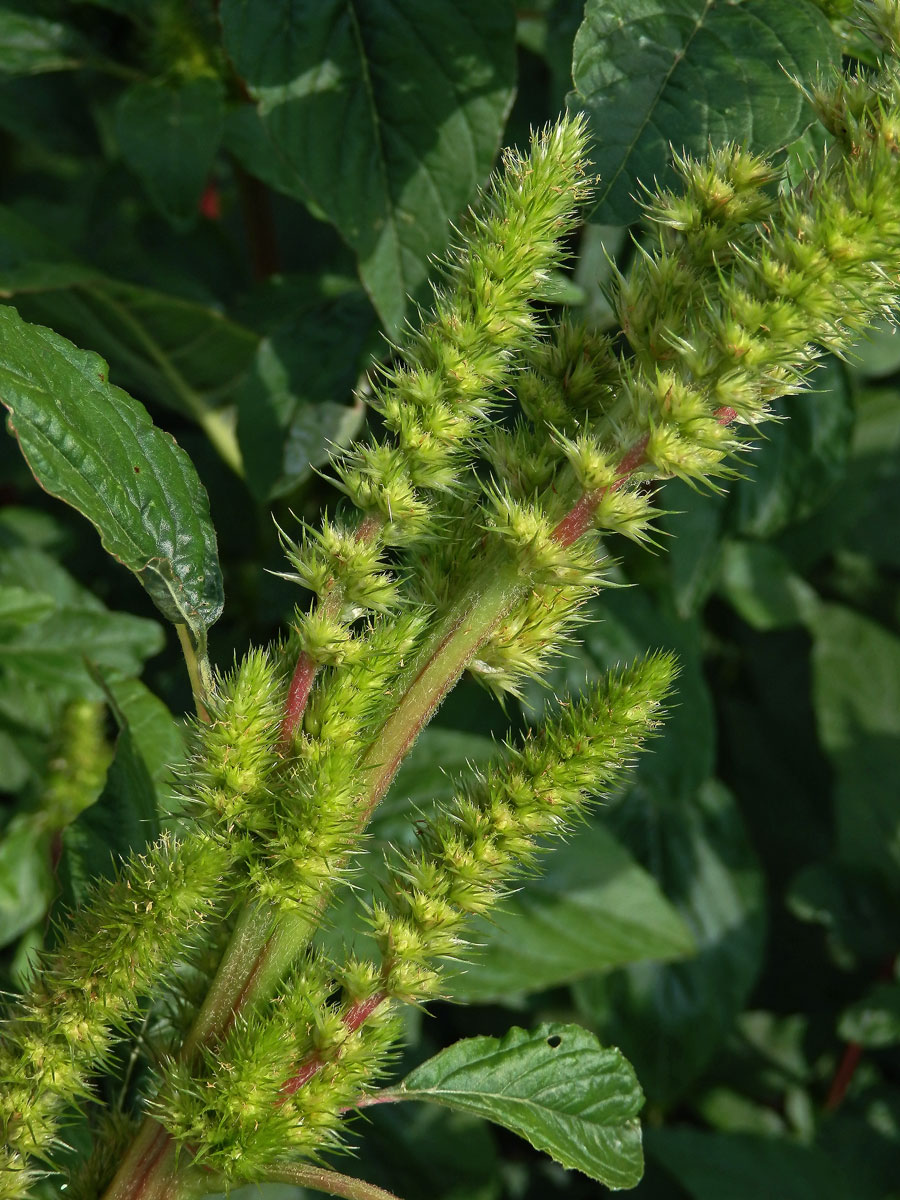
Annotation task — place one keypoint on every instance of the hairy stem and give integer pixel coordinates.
(321, 1180)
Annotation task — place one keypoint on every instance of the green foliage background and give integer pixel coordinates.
(232, 203)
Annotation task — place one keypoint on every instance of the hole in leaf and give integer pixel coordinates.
(554, 1040)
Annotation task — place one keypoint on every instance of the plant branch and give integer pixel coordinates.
(195, 669)
(322, 1180)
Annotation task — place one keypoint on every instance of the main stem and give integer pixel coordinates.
(263, 943)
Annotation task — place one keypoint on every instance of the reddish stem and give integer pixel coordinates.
(357, 1014)
(843, 1075)
(306, 669)
(298, 693)
(580, 518)
(852, 1055)
(259, 223)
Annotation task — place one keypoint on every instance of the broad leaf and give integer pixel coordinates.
(26, 882)
(95, 447)
(756, 579)
(52, 652)
(591, 908)
(875, 1020)
(656, 74)
(555, 1085)
(800, 462)
(31, 44)
(669, 1018)
(298, 396)
(19, 606)
(171, 350)
(713, 1166)
(169, 134)
(384, 117)
(856, 690)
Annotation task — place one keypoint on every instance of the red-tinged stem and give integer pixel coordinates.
(843, 1076)
(357, 1014)
(259, 223)
(579, 519)
(298, 693)
(852, 1055)
(307, 668)
(149, 1170)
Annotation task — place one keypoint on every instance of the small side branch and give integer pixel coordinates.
(331, 1182)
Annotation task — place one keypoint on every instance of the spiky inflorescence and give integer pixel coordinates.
(451, 375)
(471, 850)
(227, 783)
(115, 952)
(739, 286)
(285, 1074)
(131, 931)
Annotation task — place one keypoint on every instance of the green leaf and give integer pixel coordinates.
(669, 1018)
(19, 606)
(716, 1166)
(591, 908)
(95, 447)
(384, 116)
(856, 690)
(875, 1020)
(53, 653)
(169, 349)
(655, 74)
(856, 909)
(555, 1085)
(430, 775)
(800, 462)
(136, 796)
(169, 134)
(756, 580)
(30, 44)
(694, 518)
(26, 883)
(298, 396)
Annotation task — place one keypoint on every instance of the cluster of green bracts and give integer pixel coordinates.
(475, 546)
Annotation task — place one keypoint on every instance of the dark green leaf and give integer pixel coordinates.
(694, 519)
(591, 908)
(555, 1085)
(26, 883)
(800, 461)
(756, 579)
(384, 117)
(720, 1166)
(655, 74)
(857, 699)
(298, 395)
(53, 652)
(670, 1018)
(169, 134)
(424, 1153)
(95, 447)
(855, 908)
(875, 1020)
(30, 44)
(136, 794)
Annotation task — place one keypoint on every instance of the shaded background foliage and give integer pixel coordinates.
(234, 203)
